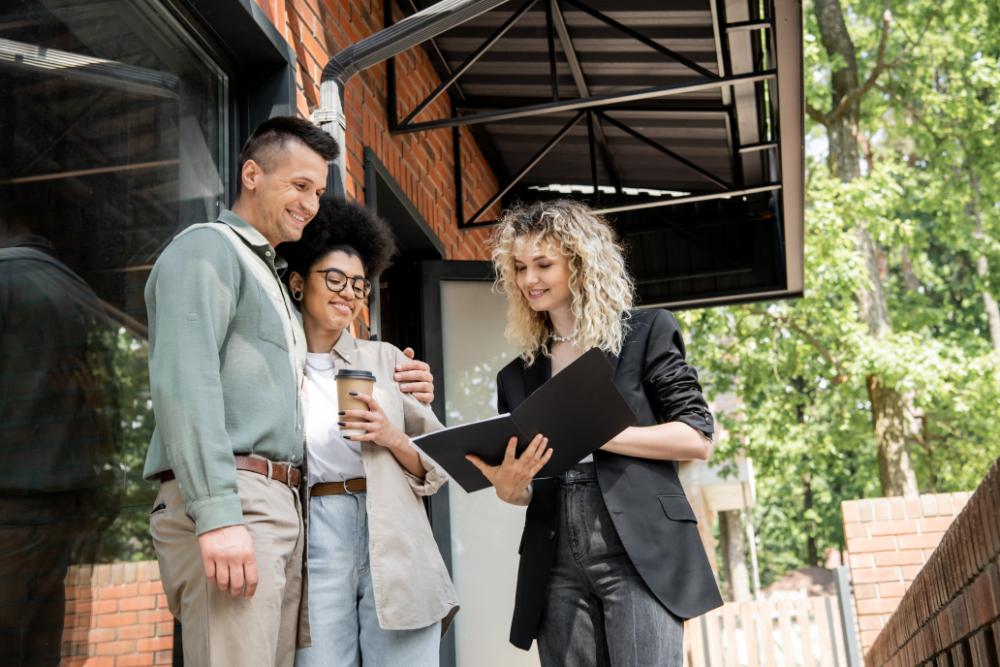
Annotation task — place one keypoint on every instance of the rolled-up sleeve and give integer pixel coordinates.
(671, 384)
(420, 419)
(194, 289)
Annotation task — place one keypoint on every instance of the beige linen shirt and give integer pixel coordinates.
(409, 579)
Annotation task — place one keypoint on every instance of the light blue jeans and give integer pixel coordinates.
(344, 629)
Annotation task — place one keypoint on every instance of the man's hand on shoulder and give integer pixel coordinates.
(414, 377)
(230, 560)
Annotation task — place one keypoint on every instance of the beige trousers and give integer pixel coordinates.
(219, 630)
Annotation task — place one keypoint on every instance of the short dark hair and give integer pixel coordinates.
(345, 226)
(275, 132)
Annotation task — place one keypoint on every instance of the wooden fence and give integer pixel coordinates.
(804, 632)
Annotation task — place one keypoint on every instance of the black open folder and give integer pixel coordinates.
(579, 410)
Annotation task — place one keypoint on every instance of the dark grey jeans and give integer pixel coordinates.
(598, 610)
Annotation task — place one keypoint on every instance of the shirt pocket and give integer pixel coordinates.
(270, 325)
(676, 507)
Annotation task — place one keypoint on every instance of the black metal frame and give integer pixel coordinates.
(596, 108)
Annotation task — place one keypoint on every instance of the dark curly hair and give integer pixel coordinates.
(345, 226)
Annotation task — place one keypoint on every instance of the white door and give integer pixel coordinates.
(484, 531)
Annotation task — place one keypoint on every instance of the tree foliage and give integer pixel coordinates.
(923, 185)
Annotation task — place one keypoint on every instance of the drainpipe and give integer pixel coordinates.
(416, 29)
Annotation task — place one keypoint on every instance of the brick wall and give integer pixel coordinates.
(888, 541)
(116, 616)
(951, 613)
(420, 162)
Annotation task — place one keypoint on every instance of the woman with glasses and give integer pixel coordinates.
(378, 588)
(611, 558)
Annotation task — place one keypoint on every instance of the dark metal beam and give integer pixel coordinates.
(591, 141)
(748, 25)
(529, 165)
(659, 106)
(583, 90)
(763, 146)
(592, 102)
(690, 200)
(469, 62)
(634, 34)
(666, 151)
(550, 40)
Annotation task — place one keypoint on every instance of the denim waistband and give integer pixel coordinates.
(581, 473)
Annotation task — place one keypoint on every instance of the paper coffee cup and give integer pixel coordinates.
(352, 381)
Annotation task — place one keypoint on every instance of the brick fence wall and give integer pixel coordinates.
(951, 613)
(888, 541)
(116, 616)
(421, 162)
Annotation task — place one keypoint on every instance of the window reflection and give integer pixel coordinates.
(112, 138)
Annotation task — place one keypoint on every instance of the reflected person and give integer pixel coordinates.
(59, 433)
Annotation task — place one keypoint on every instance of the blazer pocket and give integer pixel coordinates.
(677, 508)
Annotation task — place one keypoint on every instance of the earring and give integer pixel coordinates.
(297, 294)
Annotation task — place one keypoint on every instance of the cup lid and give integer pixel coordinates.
(354, 375)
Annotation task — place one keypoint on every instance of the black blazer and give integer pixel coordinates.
(656, 524)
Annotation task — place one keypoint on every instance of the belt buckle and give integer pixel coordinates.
(346, 490)
(288, 476)
(270, 469)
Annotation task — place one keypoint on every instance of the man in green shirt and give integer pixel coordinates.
(226, 360)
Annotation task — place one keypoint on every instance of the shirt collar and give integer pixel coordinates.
(254, 239)
(345, 346)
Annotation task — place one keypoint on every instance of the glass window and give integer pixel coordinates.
(113, 136)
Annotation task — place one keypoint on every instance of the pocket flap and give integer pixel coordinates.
(676, 507)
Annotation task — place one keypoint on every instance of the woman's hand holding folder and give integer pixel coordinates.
(512, 478)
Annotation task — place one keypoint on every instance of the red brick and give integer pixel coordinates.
(935, 524)
(165, 657)
(136, 632)
(856, 530)
(893, 589)
(907, 557)
(101, 635)
(901, 527)
(876, 575)
(880, 606)
(859, 545)
(116, 620)
(921, 541)
(137, 660)
(150, 588)
(165, 629)
(868, 591)
(155, 644)
(137, 603)
(105, 607)
(121, 647)
(863, 560)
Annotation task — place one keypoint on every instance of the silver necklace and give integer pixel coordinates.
(563, 339)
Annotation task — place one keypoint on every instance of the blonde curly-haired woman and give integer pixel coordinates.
(611, 559)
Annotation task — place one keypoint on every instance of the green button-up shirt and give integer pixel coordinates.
(226, 356)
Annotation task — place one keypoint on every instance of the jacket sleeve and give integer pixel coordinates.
(419, 419)
(194, 287)
(671, 384)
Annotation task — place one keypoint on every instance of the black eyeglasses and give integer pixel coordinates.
(336, 281)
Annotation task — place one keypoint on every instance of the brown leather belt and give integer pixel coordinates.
(356, 485)
(279, 472)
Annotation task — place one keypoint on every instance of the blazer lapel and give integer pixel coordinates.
(536, 375)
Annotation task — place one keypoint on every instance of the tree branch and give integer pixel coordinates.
(816, 114)
(841, 375)
(852, 97)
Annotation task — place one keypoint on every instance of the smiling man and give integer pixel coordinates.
(226, 359)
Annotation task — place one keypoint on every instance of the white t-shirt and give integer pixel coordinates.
(330, 457)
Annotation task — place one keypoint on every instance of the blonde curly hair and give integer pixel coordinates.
(601, 288)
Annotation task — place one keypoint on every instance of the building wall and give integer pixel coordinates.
(888, 541)
(116, 616)
(422, 162)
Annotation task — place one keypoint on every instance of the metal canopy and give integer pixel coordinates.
(681, 121)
